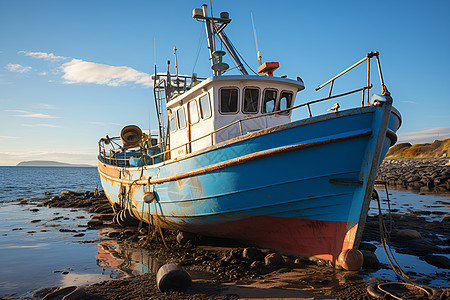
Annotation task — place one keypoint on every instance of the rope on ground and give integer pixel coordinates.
(401, 283)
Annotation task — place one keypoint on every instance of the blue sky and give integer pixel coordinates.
(73, 71)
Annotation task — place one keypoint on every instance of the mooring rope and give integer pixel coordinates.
(157, 225)
(385, 236)
(96, 192)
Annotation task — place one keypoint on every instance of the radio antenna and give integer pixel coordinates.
(258, 53)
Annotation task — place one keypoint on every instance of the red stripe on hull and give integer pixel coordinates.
(323, 239)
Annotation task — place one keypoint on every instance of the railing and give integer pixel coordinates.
(165, 155)
(113, 157)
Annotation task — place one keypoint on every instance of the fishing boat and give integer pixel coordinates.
(229, 161)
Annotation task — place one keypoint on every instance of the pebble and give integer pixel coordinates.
(184, 237)
(446, 219)
(274, 259)
(252, 254)
(370, 260)
(408, 234)
(367, 246)
(94, 222)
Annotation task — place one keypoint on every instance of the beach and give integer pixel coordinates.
(70, 239)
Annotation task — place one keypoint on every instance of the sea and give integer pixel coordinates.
(47, 247)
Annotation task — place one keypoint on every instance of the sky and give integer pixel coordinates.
(72, 72)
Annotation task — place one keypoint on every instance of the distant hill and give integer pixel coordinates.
(47, 163)
(427, 150)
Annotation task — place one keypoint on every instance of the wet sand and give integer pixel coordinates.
(220, 270)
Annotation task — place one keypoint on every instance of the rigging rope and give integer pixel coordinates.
(231, 43)
(202, 32)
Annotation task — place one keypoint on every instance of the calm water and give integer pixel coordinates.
(33, 182)
(34, 253)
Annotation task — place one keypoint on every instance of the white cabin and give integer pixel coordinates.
(196, 115)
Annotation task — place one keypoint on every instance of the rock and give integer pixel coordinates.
(235, 254)
(107, 217)
(252, 254)
(94, 223)
(256, 264)
(446, 219)
(299, 261)
(408, 234)
(66, 230)
(172, 277)
(439, 261)
(421, 247)
(367, 246)
(184, 237)
(71, 193)
(274, 259)
(370, 260)
(113, 234)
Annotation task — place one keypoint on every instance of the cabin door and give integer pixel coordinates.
(193, 118)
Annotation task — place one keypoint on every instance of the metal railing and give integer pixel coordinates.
(165, 155)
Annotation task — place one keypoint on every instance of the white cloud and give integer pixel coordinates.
(42, 125)
(79, 71)
(17, 68)
(7, 137)
(43, 55)
(27, 114)
(425, 136)
(43, 73)
(45, 105)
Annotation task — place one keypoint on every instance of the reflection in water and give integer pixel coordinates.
(131, 261)
(83, 279)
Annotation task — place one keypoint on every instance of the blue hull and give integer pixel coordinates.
(303, 187)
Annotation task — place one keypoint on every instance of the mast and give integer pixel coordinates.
(216, 26)
(209, 34)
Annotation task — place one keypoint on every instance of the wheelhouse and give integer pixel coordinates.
(237, 105)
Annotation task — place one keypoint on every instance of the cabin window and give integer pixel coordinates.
(181, 118)
(193, 112)
(285, 102)
(251, 98)
(229, 100)
(172, 123)
(270, 97)
(205, 107)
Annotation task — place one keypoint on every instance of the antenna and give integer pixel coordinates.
(258, 53)
(176, 61)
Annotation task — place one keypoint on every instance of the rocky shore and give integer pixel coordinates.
(421, 175)
(229, 270)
